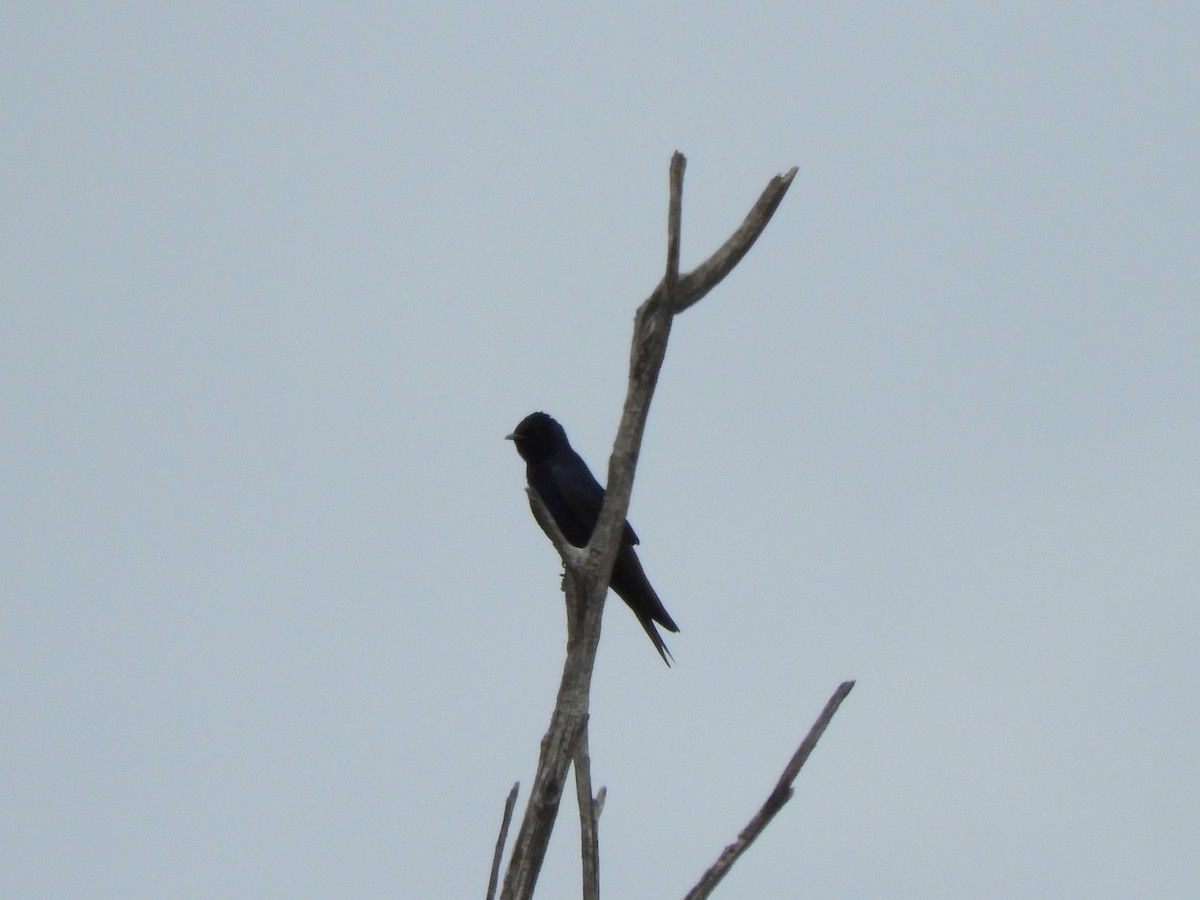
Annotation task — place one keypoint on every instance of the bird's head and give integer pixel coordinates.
(537, 437)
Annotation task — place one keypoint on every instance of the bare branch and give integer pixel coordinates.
(651, 330)
(589, 835)
(587, 572)
(504, 823)
(571, 555)
(696, 284)
(558, 748)
(780, 795)
(674, 227)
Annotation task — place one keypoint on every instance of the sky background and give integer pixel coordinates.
(277, 278)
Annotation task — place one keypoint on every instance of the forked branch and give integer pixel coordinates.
(587, 572)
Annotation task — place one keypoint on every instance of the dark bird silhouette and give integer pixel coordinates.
(573, 496)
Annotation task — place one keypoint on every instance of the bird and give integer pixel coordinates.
(573, 497)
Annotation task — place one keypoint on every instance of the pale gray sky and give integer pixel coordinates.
(278, 278)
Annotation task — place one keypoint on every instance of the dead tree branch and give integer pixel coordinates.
(499, 853)
(587, 573)
(780, 795)
(589, 835)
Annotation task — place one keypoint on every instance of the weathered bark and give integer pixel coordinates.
(587, 571)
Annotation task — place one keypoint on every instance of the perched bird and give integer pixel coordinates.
(573, 497)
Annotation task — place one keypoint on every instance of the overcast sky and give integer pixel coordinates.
(275, 281)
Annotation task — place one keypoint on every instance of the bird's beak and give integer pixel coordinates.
(511, 437)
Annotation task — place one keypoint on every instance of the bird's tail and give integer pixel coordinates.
(629, 582)
(659, 644)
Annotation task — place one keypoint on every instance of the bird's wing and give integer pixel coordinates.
(582, 493)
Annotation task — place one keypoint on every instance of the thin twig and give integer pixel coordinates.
(504, 823)
(674, 228)
(780, 795)
(589, 836)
